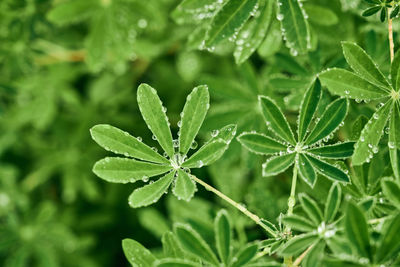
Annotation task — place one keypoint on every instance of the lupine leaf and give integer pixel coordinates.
(356, 229)
(298, 244)
(315, 255)
(391, 190)
(311, 208)
(299, 223)
(278, 164)
(171, 262)
(207, 154)
(120, 142)
(321, 15)
(308, 107)
(371, 134)
(153, 113)
(192, 242)
(171, 246)
(347, 84)
(223, 235)
(260, 144)
(96, 42)
(275, 119)
(363, 65)
(150, 193)
(136, 254)
(72, 11)
(394, 71)
(335, 151)
(253, 33)
(394, 140)
(194, 112)
(389, 243)
(307, 171)
(330, 120)
(332, 202)
(245, 254)
(123, 170)
(328, 170)
(184, 187)
(294, 26)
(229, 20)
(226, 134)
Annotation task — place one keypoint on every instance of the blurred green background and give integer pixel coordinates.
(64, 69)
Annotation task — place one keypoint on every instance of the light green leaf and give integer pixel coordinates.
(229, 20)
(193, 114)
(150, 193)
(306, 170)
(272, 42)
(153, 113)
(261, 144)
(136, 254)
(278, 164)
(320, 15)
(308, 107)
(171, 247)
(207, 154)
(72, 11)
(123, 170)
(363, 65)
(120, 142)
(294, 26)
(356, 229)
(192, 242)
(347, 84)
(367, 145)
(253, 33)
(332, 202)
(275, 119)
(184, 186)
(96, 42)
(335, 151)
(328, 170)
(394, 71)
(226, 134)
(330, 120)
(391, 190)
(223, 235)
(299, 223)
(389, 242)
(311, 208)
(315, 255)
(171, 262)
(298, 244)
(245, 255)
(394, 140)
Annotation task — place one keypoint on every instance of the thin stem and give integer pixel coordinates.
(241, 208)
(301, 257)
(390, 29)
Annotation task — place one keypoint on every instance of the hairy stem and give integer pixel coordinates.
(390, 29)
(238, 206)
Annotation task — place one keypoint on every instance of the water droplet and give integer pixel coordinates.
(214, 133)
(194, 145)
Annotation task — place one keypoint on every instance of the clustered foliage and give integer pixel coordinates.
(285, 153)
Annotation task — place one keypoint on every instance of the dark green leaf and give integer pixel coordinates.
(311, 208)
(391, 190)
(278, 164)
(244, 255)
(389, 242)
(328, 170)
(299, 223)
(306, 170)
(394, 139)
(321, 15)
(332, 202)
(356, 229)
(308, 107)
(394, 71)
(335, 151)
(315, 255)
(371, 11)
(261, 144)
(298, 244)
(223, 234)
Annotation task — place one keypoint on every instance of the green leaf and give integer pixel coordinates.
(193, 115)
(335, 151)
(275, 119)
(347, 84)
(294, 26)
(120, 142)
(308, 107)
(394, 71)
(192, 242)
(367, 145)
(184, 187)
(333, 202)
(371, 11)
(363, 65)
(278, 164)
(311, 208)
(394, 140)
(306, 170)
(389, 242)
(171, 262)
(328, 170)
(171, 247)
(356, 229)
(330, 120)
(225, 134)
(223, 235)
(136, 254)
(299, 223)
(321, 15)
(229, 20)
(245, 255)
(315, 255)
(72, 11)
(391, 190)
(298, 244)
(358, 125)
(153, 113)
(260, 144)
(150, 193)
(123, 170)
(207, 154)
(96, 42)
(253, 33)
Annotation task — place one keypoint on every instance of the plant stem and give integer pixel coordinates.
(390, 29)
(301, 257)
(238, 206)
